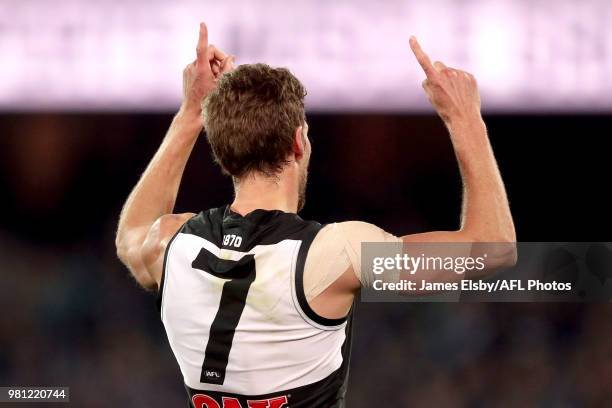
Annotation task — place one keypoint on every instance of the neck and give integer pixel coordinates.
(258, 191)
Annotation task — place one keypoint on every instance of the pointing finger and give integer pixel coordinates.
(202, 47)
(422, 58)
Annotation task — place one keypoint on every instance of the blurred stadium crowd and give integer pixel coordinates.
(73, 317)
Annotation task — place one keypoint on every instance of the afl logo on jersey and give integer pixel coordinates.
(212, 374)
(206, 401)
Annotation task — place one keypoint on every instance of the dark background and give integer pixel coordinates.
(72, 316)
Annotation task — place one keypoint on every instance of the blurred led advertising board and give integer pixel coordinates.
(108, 55)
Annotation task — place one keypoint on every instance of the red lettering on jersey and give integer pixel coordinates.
(277, 402)
(231, 403)
(204, 401)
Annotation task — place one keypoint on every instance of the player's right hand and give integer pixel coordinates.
(452, 92)
(201, 76)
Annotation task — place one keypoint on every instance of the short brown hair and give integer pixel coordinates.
(251, 118)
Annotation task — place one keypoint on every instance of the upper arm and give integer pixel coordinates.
(142, 249)
(454, 244)
(333, 265)
(353, 234)
(461, 243)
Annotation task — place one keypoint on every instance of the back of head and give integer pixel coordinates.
(251, 118)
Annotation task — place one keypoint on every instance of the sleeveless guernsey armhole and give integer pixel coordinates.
(245, 332)
(298, 287)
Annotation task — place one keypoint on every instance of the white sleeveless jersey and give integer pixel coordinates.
(237, 319)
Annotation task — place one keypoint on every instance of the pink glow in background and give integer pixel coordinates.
(528, 55)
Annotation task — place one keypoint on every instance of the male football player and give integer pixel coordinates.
(256, 301)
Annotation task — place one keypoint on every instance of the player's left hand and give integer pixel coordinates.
(452, 92)
(200, 77)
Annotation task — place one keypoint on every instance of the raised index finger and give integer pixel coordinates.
(422, 58)
(202, 44)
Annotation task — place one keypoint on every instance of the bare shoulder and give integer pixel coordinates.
(166, 226)
(157, 239)
(360, 231)
(335, 254)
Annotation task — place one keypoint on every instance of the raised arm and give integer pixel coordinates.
(486, 222)
(485, 213)
(146, 222)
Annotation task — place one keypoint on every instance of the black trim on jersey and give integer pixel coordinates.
(299, 282)
(347, 347)
(160, 290)
(329, 392)
(262, 227)
(259, 227)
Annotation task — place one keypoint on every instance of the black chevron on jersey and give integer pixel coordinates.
(233, 304)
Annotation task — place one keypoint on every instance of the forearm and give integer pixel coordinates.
(156, 191)
(486, 213)
(486, 221)
(146, 223)
(485, 216)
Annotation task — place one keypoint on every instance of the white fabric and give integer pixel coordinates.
(275, 347)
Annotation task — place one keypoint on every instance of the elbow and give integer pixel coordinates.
(129, 251)
(121, 248)
(504, 249)
(133, 263)
(501, 254)
(125, 241)
(145, 281)
(506, 243)
(494, 256)
(500, 248)
(506, 256)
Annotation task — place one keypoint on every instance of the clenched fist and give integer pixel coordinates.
(201, 76)
(452, 92)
